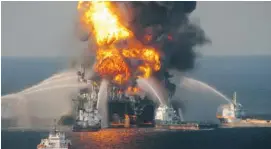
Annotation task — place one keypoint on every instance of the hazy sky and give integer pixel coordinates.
(47, 28)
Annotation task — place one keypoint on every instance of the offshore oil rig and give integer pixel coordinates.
(126, 108)
(133, 108)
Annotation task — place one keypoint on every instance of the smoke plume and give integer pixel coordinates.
(170, 30)
(166, 27)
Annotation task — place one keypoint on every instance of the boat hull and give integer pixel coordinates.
(77, 128)
(177, 127)
(208, 126)
(187, 126)
(54, 148)
(248, 123)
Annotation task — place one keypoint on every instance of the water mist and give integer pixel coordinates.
(102, 103)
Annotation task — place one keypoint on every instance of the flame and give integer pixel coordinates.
(133, 90)
(110, 63)
(111, 60)
(105, 24)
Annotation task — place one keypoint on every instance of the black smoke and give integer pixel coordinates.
(172, 32)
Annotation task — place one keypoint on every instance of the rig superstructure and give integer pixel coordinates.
(137, 109)
(86, 105)
(87, 117)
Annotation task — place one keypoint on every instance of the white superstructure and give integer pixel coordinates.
(87, 112)
(232, 112)
(165, 114)
(88, 118)
(55, 140)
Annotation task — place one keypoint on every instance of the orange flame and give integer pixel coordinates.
(133, 90)
(98, 17)
(105, 24)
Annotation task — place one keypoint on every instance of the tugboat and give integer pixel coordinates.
(87, 116)
(166, 118)
(233, 115)
(55, 140)
(230, 113)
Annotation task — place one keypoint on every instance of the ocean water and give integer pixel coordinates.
(249, 76)
(235, 138)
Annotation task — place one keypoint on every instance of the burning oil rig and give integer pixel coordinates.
(130, 105)
(133, 40)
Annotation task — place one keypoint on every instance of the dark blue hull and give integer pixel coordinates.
(77, 128)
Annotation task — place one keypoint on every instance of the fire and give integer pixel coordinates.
(103, 22)
(133, 90)
(111, 60)
(110, 63)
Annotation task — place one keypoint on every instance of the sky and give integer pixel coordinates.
(47, 29)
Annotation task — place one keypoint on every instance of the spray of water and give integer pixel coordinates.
(187, 81)
(21, 100)
(8, 96)
(180, 114)
(53, 87)
(24, 118)
(151, 88)
(49, 82)
(18, 104)
(59, 75)
(59, 78)
(102, 103)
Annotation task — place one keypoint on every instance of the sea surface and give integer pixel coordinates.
(234, 138)
(250, 76)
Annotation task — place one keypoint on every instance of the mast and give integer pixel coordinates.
(234, 99)
(54, 127)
